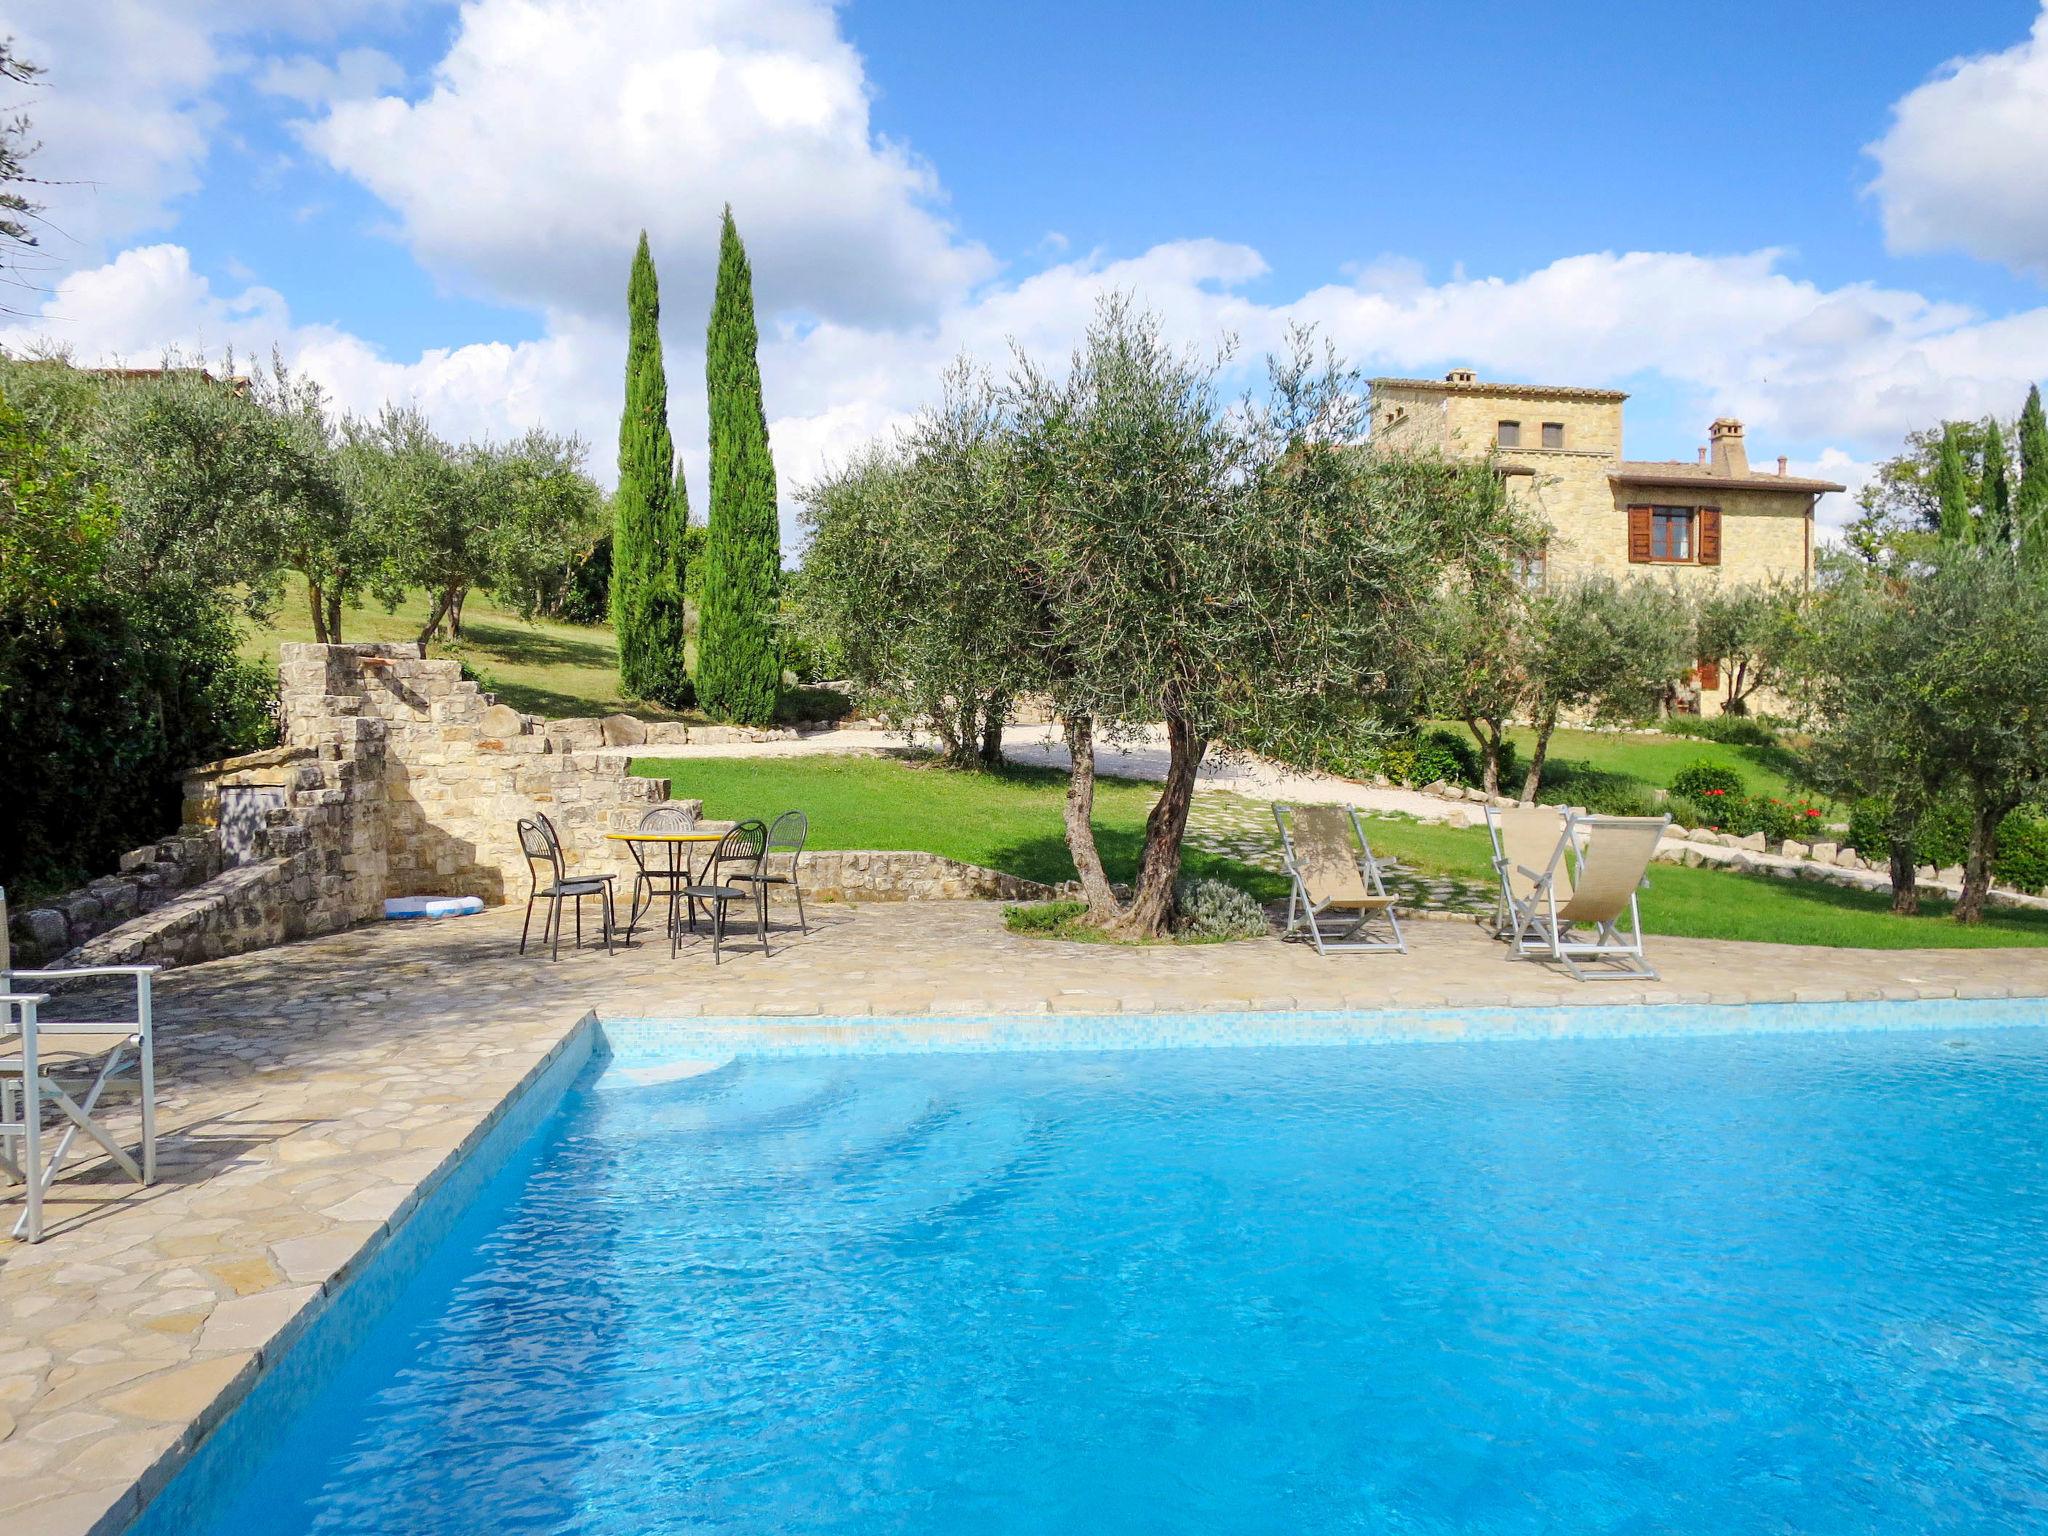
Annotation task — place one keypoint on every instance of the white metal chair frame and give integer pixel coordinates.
(1540, 925)
(1506, 868)
(1368, 898)
(34, 1077)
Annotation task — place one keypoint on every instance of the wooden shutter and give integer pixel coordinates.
(1709, 676)
(1709, 535)
(1639, 535)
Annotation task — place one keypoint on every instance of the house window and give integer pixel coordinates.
(1671, 533)
(1508, 434)
(1674, 535)
(1532, 569)
(1553, 434)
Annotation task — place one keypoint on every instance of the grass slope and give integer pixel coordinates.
(1011, 821)
(537, 666)
(1655, 759)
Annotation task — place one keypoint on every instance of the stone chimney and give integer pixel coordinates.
(1703, 455)
(1461, 376)
(1728, 456)
(1781, 463)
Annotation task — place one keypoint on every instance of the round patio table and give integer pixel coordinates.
(677, 874)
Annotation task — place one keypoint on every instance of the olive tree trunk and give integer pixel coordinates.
(1905, 878)
(1150, 914)
(1985, 820)
(1080, 819)
(316, 603)
(1488, 734)
(1546, 722)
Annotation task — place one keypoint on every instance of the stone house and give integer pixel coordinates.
(1560, 446)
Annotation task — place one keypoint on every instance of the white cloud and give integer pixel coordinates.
(555, 130)
(355, 73)
(1832, 377)
(125, 113)
(1964, 164)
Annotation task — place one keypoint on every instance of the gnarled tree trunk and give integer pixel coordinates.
(995, 714)
(1150, 915)
(1489, 740)
(1080, 819)
(1905, 878)
(316, 602)
(1985, 820)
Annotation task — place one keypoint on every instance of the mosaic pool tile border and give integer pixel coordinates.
(644, 1040)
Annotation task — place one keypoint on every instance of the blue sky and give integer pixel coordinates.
(1828, 221)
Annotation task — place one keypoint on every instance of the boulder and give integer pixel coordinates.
(1825, 853)
(1849, 858)
(1756, 842)
(667, 733)
(501, 721)
(48, 928)
(624, 731)
(576, 735)
(1792, 848)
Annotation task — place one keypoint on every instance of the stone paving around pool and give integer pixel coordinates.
(309, 1092)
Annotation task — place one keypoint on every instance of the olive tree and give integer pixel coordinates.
(1742, 626)
(1927, 683)
(1602, 647)
(910, 573)
(1228, 573)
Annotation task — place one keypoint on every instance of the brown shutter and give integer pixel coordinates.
(1709, 676)
(1639, 535)
(1710, 535)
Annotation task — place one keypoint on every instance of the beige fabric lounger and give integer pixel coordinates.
(1334, 875)
(1588, 880)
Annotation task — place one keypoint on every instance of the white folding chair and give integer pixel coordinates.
(1335, 875)
(1590, 881)
(68, 1063)
(21, 1118)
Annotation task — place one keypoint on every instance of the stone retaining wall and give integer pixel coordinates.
(862, 875)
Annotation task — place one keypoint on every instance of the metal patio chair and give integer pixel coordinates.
(669, 880)
(542, 846)
(786, 835)
(68, 1064)
(733, 874)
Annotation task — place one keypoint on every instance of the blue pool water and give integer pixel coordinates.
(1768, 1283)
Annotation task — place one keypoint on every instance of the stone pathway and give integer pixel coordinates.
(309, 1093)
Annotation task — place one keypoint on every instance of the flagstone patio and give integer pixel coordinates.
(311, 1092)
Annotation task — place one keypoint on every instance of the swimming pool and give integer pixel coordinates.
(1783, 1282)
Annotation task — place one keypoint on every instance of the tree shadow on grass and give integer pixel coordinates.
(535, 647)
(1046, 860)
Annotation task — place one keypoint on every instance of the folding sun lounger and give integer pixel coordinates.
(1589, 880)
(1335, 875)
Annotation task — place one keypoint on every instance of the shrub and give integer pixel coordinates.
(1601, 791)
(1704, 780)
(1446, 755)
(108, 700)
(1746, 814)
(1213, 909)
(1944, 839)
(807, 706)
(2022, 860)
(1044, 916)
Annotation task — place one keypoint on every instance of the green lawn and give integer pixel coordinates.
(1011, 821)
(538, 666)
(1655, 759)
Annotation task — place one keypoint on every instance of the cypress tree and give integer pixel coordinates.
(1997, 524)
(1951, 488)
(649, 511)
(739, 671)
(2030, 500)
